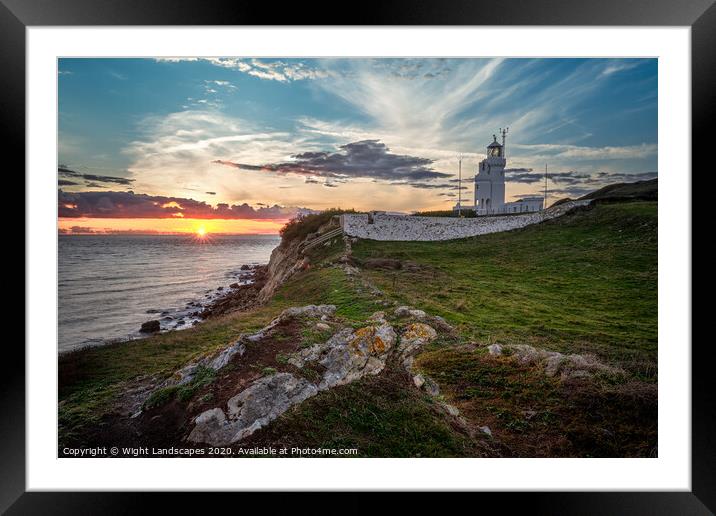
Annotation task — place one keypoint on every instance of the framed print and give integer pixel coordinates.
(428, 249)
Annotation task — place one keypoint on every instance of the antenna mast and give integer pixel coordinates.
(504, 134)
(459, 185)
(545, 187)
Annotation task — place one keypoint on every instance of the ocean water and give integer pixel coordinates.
(109, 285)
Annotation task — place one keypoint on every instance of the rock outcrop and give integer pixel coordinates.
(414, 337)
(220, 359)
(150, 327)
(345, 357)
(284, 262)
(251, 409)
(553, 362)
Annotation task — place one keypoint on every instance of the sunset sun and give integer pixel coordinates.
(201, 232)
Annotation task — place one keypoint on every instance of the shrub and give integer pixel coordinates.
(301, 226)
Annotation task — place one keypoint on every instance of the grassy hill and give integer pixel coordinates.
(621, 192)
(585, 283)
(638, 190)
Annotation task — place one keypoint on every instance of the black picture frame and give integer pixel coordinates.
(700, 15)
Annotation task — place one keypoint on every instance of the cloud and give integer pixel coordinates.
(63, 171)
(76, 230)
(427, 108)
(575, 179)
(470, 101)
(173, 154)
(575, 152)
(435, 186)
(123, 205)
(273, 70)
(211, 85)
(362, 159)
(570, 191)
(118, 75)
(618, 66)
(409, 111)
(616, 176)
(66, 182)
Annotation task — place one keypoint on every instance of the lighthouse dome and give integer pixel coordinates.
(495, 143)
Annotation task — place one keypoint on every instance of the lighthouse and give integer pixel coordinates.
(490, 179)
(490, 184)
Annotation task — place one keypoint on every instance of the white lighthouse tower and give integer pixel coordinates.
(490, 185)
(490, 179)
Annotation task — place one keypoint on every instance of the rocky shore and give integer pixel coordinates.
(238, 295)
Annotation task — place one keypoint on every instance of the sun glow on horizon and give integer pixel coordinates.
(185, 226)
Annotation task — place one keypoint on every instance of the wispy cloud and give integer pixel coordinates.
(174, 153)
(379, 132)
(63, 171)
(282, 71)
(122, 205)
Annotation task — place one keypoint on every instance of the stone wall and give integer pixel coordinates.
(406, 227)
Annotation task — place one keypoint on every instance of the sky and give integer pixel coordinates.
(240, 145)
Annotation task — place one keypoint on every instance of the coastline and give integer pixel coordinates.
(546, 389)
(239, 295)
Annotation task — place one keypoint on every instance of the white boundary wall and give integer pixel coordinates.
(410, 228)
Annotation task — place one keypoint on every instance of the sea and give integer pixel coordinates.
(108, 285)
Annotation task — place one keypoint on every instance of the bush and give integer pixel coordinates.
(302, 226)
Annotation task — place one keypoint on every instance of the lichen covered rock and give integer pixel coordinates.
(553, 362)
(355, 355)
(406, 311)
(251, 409)
(377, 317)
(349, 355)
(415, 336)
(495, 349)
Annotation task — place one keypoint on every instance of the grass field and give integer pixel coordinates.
(586, 283)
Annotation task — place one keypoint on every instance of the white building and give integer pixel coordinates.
(490, 185)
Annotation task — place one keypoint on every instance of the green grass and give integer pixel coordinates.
(380, 416)
(535, 415)
(92, 379)
(586, 282)
(583, 283)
